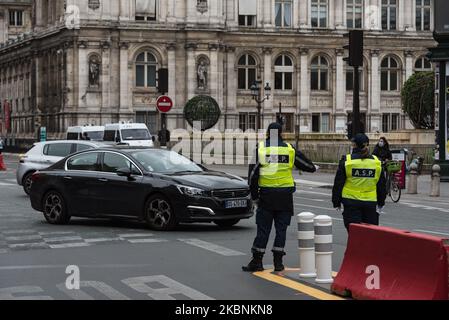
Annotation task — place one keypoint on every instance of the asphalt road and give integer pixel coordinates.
(123, 260)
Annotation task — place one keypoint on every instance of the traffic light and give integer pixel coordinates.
(355, 48)
(162, 83)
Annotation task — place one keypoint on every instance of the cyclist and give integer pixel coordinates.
(382, 150)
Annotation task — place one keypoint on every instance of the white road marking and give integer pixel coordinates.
(3, 251)
(309, 199)
(316, 207)
(24, 238)
(113, 266)
(136, 241)
(63, 239)
(6, 184)
(424, 207)
(101, 287)
(39, 245)
(68, 245)
(55, 233)
(212, 247)
(21, 231)
(313, 192)
(135, 235)
(95, 240)
(312, 183)
(432, 232)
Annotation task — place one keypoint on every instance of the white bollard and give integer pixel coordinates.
(306, 245)
(323, 249)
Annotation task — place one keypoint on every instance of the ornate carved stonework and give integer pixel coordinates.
(94, 4)
(202, 6)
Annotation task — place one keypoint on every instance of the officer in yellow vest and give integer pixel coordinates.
(360, 185)
(272, 187)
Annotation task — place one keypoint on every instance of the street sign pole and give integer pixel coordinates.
(356, 107)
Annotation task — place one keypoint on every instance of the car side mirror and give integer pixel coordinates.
(124, 172)
(117, 139)
(153, 138)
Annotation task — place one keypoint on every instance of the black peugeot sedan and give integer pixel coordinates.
(157, 186)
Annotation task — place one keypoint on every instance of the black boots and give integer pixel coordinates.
(278, 266)
(256, 264)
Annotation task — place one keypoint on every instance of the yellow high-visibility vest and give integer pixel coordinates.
(362, 176)
(276, 170)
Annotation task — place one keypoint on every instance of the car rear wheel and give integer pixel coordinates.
(159, 213)
(55, 209)
(26, 182)
(227, 223)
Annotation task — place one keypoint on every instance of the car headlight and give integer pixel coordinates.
(191, 191)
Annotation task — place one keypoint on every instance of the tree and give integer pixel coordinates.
(418, 100)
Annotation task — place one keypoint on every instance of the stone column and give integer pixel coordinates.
(340, 9)
(213, 77)
(191, 11)
(171, 12)
(373, 17)
(231, 81)
(171, 48)
(191, 72)
(105, 77)
(267, 107)
(331, 12)
(408, 64)
(304, 14)
(375, 92)
(305, 90)
(124, 78)
(268, 8)
(401, 15)
(340, 92)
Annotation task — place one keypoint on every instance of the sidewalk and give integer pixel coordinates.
(326, 180)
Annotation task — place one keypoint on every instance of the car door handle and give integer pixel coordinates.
(68, 178)
(103, 180)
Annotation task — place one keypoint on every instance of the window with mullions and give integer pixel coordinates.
(283, 73)
(423, 9)
(283, 13)
(389, 74)
(247, 21)
(350, 80)
(389, 14)
(145, 10)
(319, 14)
(319, 74)
(354, 14)
(247, 121)
(423, 64)
(16, 18)
(146, 69)
(246, 72)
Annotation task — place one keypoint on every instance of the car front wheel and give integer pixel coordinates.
(159, 213)
(55, 209)
(227, 223)
(26, 183)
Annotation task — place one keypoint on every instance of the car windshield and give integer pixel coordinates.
(135, 134)
(165, 162)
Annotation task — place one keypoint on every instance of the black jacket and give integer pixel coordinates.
(276, 199)
(382, 153)
(340, 180)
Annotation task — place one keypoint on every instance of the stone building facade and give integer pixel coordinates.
(96, 61)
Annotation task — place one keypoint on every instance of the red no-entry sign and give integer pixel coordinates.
(164, 104)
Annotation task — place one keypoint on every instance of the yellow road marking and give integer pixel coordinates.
(318, 294)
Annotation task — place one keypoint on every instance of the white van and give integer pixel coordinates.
(92, 133)
(131, 134)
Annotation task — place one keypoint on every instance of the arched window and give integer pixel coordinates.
(319, 74)
(246, 72)
(423, 64)
(389, 74)
(146, 69)
(283, 73)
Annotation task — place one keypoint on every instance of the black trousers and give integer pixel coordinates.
(360, 213)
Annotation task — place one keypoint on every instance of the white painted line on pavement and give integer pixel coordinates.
(136, 241)
(69, 245)
(19, 231)
(135, 235)
(95, 240)
(313, 192)
(24, 238)
(55, 233)
(431, 232)
(7, 184)
(212, 247)
(28, 245)
(61, 239)
(309, 199)
(113, 266)
(316, 207)
(312, 183)
(3, 251)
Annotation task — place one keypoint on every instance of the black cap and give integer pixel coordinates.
(275, 126)
(360, 140)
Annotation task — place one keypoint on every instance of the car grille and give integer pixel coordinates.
(230, 194)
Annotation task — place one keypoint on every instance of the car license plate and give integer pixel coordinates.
(236, 204)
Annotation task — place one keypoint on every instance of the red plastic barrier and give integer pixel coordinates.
(411, 266)
(2, 163)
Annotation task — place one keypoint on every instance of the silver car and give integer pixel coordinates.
(44, 154)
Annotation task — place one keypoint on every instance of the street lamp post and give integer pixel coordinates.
(256, 92)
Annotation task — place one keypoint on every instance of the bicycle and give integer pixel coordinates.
(393, 189)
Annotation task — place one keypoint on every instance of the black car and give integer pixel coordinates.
(158, 186)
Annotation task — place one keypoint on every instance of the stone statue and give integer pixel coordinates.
(94, 72)
(202, 75)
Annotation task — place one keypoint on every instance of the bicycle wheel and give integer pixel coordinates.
(395, 192)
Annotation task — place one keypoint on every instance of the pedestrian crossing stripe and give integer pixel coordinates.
(295, 285)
